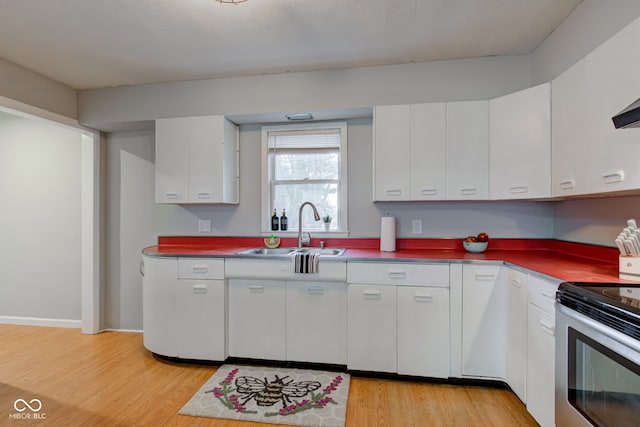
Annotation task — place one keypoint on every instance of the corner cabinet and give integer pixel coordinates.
(520, 148)
(197, 160)
(184, 303)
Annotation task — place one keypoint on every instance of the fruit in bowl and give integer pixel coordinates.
(477, 243)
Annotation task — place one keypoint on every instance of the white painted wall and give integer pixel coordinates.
(39, 220)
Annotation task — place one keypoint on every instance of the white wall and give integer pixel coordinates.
(39, 220)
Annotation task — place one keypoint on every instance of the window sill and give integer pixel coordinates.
(314, 234)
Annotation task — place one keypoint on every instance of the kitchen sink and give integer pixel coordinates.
(290, 251)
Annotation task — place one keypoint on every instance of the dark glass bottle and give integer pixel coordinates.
(275, 222)
(283, 221)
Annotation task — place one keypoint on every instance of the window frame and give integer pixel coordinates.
(267, 208)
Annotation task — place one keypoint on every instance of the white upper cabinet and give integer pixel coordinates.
(612, 81)
(196, 160)
(520, 147)
(391, 153)
(468, 150)
(569, 132)
(428, 151)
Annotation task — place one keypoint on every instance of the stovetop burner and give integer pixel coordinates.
(614, 304)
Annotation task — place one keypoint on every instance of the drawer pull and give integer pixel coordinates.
(614, 177)
(518, 189)
(548, 295)
(373, 295)
(200, 269)
(256, 289)
(485, 277)
(428, 191)
(200, 289)
(468, 191)
(315, 290)
(516, 283)
(394, 192)
(567, 185)
(397, 274)
(422, 298)
(171, 195)
(548, 328)
(204, 195)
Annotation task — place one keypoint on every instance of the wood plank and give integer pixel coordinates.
(110, 379)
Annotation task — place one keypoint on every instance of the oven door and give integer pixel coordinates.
(597, 373)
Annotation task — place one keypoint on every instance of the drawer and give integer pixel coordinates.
(542, 293)
(409, 274)
(200, 268)
(283, 269)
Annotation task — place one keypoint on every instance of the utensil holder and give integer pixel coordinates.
(629, 268)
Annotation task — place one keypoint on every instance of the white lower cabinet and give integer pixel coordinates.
(257, 319)
(371, 328)
(516, 329)
(423, 331)
(159, 314)
(483, 322)
(541, 351)
(316, 327)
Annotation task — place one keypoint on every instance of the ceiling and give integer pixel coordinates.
(100, 43)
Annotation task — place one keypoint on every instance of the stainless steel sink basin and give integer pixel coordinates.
(290, 251)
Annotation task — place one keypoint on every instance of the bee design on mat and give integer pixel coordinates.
(268, 393)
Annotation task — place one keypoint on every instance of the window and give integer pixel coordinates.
(305, 162)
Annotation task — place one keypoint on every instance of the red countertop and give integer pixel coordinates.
(563, 260)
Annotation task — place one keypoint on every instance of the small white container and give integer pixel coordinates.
(629, 268)
(475, 246)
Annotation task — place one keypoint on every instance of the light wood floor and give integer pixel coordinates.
(110, 379)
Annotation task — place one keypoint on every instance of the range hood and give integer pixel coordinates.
(629, 117)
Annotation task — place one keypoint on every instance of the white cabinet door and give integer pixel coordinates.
(516, 338)
(257, 319)
(520, 144)
(371, 325)
(483, 322)
(159, 318)
(613, 83)
(317, 322)
(172, 161)
(196, 160)
(428, 151)
(423, 331)
(570, 134)
(391, 153)
(468, 150)
(541, 366)
(201, 319)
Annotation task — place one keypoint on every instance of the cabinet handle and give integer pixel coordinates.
(423, 298)
(200, 289)
(428, 191)
(614, 177)
(567, 185)
(518, 189)
(468, 191)
(485, 277)
(204, 195)
(547, 327)
(256, 289)
(200, 269)
(374, 295)
(141, 268)
(315, 290)
(397, 274)
(516, 283)
(394, 192)
(548, 295)
(171, 195)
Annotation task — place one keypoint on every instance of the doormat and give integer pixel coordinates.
(273, 395)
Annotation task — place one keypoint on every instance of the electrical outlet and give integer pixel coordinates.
(204, 225)
(416, 226)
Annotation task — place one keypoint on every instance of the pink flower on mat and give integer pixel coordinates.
(217, 392)
(229, 377)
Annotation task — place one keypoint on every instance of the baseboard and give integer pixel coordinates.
(37, 321)
(135, 331)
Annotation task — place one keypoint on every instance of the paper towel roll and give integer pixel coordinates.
(388, 234)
